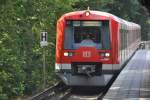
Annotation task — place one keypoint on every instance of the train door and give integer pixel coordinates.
(125, 44)
(122, 43)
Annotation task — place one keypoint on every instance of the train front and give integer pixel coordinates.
(83, 49)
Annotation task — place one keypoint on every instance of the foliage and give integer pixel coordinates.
(21, 55)
(21, 21)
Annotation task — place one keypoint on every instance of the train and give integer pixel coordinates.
(92, 47)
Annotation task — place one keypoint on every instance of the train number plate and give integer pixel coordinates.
(86, 54)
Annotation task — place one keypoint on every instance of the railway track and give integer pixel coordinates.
(62, 92)
(80, 93)
(50, 92)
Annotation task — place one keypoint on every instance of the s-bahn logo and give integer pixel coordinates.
(86, 54)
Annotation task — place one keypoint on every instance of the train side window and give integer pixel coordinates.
(122, 38)
(105, 35)
(125, 36)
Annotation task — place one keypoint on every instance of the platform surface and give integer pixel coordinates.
(133, 83)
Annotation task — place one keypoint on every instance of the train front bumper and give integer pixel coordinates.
(81, 80)
(67, 75)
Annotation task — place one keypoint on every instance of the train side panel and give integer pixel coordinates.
(129, 40)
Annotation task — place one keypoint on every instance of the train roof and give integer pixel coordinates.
(100, 13)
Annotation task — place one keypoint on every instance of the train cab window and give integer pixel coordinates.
(87, 33)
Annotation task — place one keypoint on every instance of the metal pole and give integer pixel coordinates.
(44, 69)
(44, 43)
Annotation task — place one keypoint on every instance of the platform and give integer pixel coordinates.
(133, 83)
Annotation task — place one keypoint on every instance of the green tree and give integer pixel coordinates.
(21, 21)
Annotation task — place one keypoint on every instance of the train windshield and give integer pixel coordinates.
(87, 33)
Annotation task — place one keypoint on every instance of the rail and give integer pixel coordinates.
(47, 93)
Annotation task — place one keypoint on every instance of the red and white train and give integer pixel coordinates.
(91, 46)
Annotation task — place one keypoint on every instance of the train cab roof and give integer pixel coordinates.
(86, 14)
(95, 15)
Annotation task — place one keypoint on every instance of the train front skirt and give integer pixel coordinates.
(82, 80)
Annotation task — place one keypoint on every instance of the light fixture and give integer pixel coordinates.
(68, 54)
(87, 13)
(103, 54)
(107, 54)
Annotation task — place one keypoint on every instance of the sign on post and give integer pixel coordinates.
(43, 43)
(43, 38)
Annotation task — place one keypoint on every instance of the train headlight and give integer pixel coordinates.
(107, 54)
(87, 13)
(102, 54)
(68, 54)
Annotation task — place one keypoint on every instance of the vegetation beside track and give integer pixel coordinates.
(20, 24)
